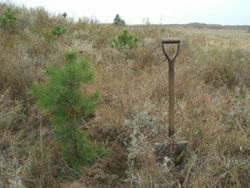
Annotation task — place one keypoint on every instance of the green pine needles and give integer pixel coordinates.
(61, 99)
(124, 40)
(118, 20)
(58, 31)
(8, 21)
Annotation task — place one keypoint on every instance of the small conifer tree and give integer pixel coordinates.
(64, 14)
(58, 31)
(124, 40)
(61, 99)
(8, 21)
(118, 20)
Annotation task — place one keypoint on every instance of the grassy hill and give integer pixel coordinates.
(212, 104)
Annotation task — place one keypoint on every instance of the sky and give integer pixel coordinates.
(224, 12)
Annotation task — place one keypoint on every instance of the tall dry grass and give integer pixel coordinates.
(212, 104)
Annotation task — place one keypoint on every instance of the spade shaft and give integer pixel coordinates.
(171, 79)
(171, 100)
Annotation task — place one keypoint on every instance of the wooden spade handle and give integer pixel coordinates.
(171, 79)
(170, 40)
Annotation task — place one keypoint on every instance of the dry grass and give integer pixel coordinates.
(212, 104)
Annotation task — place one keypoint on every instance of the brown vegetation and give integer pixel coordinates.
(212, 104)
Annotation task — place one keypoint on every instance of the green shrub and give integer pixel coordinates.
(61, 99)
(124, 40)
(58, 31)
(118, 20)
(8, 21)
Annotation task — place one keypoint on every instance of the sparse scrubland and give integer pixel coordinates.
(212, 103)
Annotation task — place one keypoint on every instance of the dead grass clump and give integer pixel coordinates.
(145, 56)
(101, 35)
(14, 75)
(39, 19)
(226, 67)
(11, 113)
(12, 118)
(108, 130)
(43, 170)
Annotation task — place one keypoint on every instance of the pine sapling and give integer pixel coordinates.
(61, 99)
